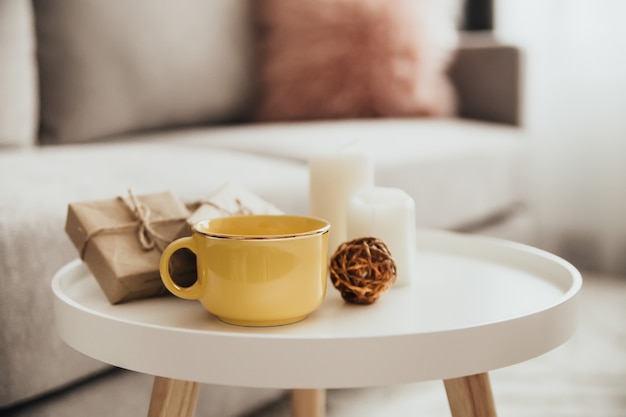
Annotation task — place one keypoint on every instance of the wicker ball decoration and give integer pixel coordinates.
(362, 269)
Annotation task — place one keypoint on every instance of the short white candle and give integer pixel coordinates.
(334, 177)
(387, 214)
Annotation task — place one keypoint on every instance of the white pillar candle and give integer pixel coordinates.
(333, 179)
(387, 214)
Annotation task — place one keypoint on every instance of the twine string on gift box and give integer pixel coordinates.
(242, 209)
(147, 236)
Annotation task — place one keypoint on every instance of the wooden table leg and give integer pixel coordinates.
(173, 398)
(470, 396)
(308, 403)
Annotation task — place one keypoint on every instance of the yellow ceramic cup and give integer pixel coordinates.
(255, 270)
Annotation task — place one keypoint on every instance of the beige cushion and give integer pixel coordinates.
(108, 67)
(18, 81)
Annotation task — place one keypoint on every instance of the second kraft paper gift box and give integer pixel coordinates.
(231, 199)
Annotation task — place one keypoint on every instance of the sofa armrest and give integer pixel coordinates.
(487, 77)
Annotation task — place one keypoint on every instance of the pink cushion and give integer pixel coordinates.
(354, 58)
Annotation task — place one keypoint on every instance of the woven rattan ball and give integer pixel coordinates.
(362, 269)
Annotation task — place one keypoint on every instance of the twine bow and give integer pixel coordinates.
(148, 237)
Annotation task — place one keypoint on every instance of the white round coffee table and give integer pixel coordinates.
(477, 304)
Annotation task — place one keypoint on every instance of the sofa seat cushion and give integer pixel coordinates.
(459, 172)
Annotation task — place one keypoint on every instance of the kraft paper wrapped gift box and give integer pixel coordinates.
(229, 200)
(121, 241)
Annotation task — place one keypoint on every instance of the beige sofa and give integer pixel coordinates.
(81, 122)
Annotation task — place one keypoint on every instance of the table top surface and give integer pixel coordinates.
(476, 304)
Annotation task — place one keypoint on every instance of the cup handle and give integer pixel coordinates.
(194, 291)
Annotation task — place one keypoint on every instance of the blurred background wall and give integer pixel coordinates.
(575, 112)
